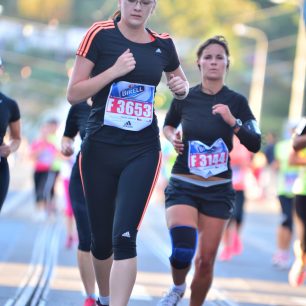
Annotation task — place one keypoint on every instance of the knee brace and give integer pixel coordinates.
(184, 242)
(124, 245)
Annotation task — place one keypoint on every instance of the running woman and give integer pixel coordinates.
(297, 273)
(119, 64)
(75, 124)
(9, 121)
(200, 196)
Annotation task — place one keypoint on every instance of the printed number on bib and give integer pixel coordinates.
(206, 160)
(129, 106)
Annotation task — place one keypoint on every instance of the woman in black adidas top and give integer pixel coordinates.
(119, 64)
(9, 120)
(199, 196)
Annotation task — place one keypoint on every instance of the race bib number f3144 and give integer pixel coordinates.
(206, 160)
(129, 106)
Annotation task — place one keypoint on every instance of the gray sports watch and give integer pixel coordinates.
(238, 124)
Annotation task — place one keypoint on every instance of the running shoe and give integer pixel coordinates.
(237, 247)
(90, 302)
(297, 274)
(226, 254)
(172, 298)
(281, 260)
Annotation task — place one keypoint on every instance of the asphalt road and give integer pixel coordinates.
(33, 252)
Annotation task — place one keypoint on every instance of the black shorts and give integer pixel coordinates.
(215, 201)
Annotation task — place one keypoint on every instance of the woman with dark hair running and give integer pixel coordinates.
(119, 64)
(75, 124)
(9, 121)
(200, 196)
(297, 273)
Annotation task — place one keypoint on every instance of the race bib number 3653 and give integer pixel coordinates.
(129, 106)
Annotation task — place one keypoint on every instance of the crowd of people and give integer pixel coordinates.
(109, 181)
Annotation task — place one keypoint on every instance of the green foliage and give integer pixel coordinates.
(189, 23)
(199, 19)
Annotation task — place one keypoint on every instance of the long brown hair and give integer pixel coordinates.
(116, 15)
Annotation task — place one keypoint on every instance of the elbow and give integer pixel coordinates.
(72, 95)
(251, 140)
(255, 148)
(71, 98)
(296, 146)
(254, 144)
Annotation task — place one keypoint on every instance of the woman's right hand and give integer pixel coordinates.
(5, 150)
(177, 143)
(124, 64)
(67, 148)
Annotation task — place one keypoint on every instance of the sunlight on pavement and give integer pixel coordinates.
(263, 292)
(149, 285)
(235, 289)
(11, 275)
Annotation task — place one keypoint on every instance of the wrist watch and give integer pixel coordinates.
(238, 124)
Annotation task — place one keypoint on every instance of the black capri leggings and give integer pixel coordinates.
(4, 179)
(300, 209)
(118, 182)
(287, 211)
(79, 208)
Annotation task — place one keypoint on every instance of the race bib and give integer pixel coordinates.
(129, 106)
(207, 161)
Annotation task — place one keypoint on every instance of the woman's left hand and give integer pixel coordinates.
(224, 111)
(177, 85)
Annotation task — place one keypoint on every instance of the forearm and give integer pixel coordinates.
(299, 142)
(85, 89)
(14, 145)
(251, 140)
(169, 132)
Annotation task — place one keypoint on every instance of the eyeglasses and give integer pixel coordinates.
(141, 2)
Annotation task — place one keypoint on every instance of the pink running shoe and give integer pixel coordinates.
(281, 260)
(226, 254)
(237, 247)
(90, 302)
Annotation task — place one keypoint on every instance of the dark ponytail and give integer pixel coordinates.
(117, 15)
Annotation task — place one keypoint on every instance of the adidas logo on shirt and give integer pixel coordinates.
(128, 124)
(126, 234)
(158, 51)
